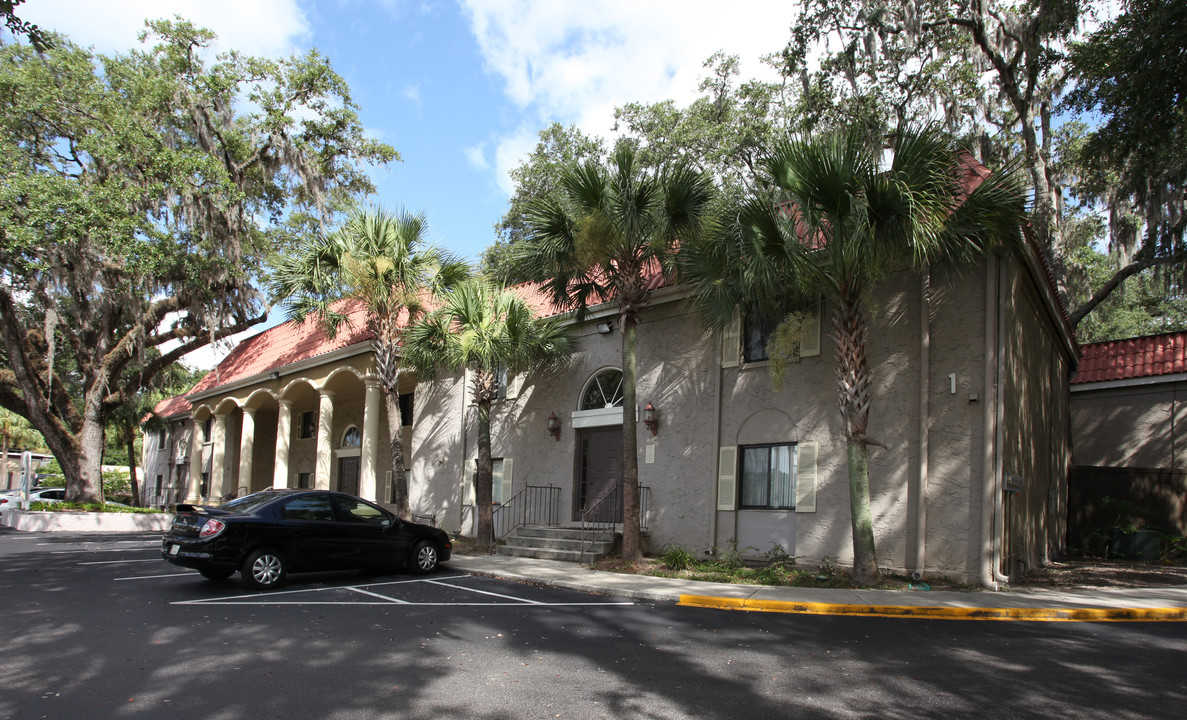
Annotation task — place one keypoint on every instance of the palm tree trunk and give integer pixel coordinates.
(853, 398)
(395, 434)
(631, 548)
(483, 490)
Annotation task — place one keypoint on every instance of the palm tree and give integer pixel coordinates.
(491, 332)
(382, 261)
(836, 225)
(613, 229)
(16, 432)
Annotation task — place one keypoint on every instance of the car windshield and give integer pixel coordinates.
(247, 503)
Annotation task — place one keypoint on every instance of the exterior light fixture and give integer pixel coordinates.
(554, 426)
(274, 375)
(649, 418)
(604, 328)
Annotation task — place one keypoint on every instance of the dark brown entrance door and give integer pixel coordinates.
(348, 475)
(599, 473)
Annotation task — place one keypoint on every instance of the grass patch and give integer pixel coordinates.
(469, 546)
(776, 568)
(89, 507)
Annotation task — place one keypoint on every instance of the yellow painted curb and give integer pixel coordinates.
(943, 613)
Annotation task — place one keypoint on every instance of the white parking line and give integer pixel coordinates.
(118, 562)
(98, 550)
(384, 597)
(270, 598)
(157, 541)
(484, 592)
(153, 577)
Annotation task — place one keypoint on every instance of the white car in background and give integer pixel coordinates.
(10, 499)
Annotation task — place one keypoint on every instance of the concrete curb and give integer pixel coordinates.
(943, 613)
(1146, 605)
(63, 521)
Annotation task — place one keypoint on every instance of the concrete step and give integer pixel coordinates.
(557, 543)
(572, 556)
(566, 532)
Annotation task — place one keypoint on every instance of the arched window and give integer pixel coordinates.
(351, 438)
(604, 390)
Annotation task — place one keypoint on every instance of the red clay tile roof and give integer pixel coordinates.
(285, 344)
(1149, 356)
(170, 407)
(539, 299)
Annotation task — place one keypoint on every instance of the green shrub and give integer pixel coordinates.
(676, 557)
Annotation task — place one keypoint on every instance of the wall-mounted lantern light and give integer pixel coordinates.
(649, 418)
(605, 327)
(274, 375)
(554, 426)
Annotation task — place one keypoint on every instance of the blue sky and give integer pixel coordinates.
(462, 88)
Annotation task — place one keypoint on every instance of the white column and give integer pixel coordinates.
(368, 480)
(247, 445)
(219, 480)
(280, 468)
(325, 441)
(193, 493)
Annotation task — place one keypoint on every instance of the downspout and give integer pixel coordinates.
(1000, 433)
(920, 562)
(986, 573)
(716, 447)
(461, 505)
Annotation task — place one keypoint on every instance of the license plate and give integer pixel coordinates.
(173, 549)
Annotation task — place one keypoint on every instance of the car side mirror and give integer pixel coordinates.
(385, 524)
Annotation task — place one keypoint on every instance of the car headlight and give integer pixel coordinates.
(211, 528)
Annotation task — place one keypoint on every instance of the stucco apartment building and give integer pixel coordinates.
(971, 370)
(1129, 432)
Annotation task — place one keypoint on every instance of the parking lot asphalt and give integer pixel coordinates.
(1168, 604)
(1164, 604)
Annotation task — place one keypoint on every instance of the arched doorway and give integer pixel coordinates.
(348, 461)
(598, 425)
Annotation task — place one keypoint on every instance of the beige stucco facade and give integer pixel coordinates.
(970, 371)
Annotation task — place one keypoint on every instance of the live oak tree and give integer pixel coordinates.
(139, 196)
(537, 178)
(1133, 163)
(994, 72)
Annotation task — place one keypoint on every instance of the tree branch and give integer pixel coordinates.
(1117, 279)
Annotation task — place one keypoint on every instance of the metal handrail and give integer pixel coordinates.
(610, 501)
(535, 504)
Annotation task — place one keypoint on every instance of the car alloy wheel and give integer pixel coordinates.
(264, 569)
(424, 557)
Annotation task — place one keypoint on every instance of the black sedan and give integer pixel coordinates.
(267, 535)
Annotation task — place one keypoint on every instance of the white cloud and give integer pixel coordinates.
(574, 62)
(257, 27)
(476, 155)
(510, 151)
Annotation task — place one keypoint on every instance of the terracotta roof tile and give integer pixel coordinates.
(286, 344)
(171, 407)
(1139, 357)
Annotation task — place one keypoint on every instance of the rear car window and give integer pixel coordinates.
(247, 503)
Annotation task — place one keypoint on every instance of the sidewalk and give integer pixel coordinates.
(1161, 604)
